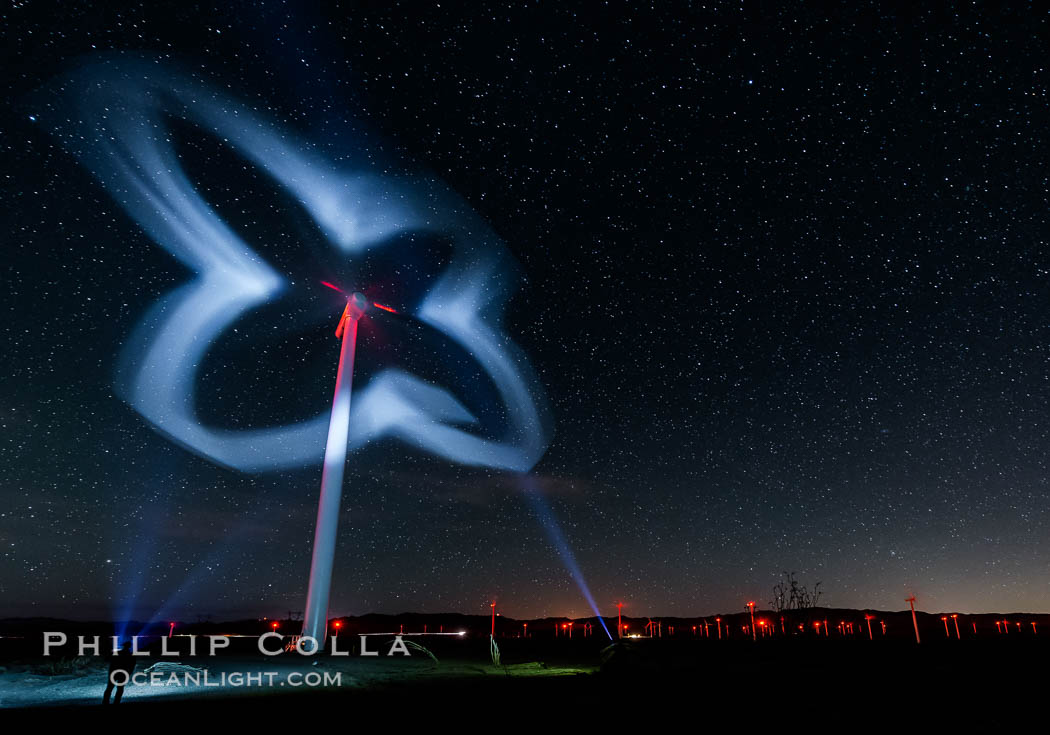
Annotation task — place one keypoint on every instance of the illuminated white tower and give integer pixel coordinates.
(315, 622)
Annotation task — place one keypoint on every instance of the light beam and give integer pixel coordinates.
(557, 538)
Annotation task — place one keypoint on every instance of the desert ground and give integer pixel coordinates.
(455, 679)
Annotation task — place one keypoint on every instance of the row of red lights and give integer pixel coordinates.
(844, 627)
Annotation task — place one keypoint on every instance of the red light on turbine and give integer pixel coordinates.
(342, 322)
(386, 308)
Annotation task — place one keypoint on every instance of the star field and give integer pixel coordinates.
(785, 281)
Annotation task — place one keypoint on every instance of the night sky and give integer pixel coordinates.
(784, 279)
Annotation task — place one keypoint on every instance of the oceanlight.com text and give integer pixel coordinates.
(235, 679)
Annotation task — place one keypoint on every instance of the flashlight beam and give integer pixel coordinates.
(557, 538)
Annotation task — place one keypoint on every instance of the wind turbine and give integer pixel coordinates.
(914, 621)
(315, 621)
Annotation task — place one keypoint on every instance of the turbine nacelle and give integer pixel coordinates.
(356, 307)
